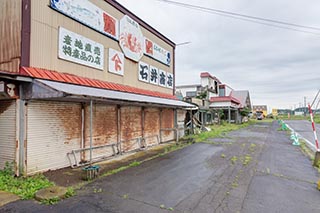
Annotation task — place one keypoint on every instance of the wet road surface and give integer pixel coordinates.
(255, 169)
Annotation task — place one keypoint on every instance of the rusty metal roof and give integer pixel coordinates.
(74, 91)
(224, 99)
(83, 81)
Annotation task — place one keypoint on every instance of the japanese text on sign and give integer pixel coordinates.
(155, 51)
(154, 75)
(89, 14)
(76, 48)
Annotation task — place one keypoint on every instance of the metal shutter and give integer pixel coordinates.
(53, 130)
(7, 131)
(167, 120)
(104, 130)
(151, 126)
(130, 127)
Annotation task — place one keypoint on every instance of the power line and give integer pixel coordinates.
(249, 18)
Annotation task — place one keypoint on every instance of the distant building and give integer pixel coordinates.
(260, 108)
(213, 98)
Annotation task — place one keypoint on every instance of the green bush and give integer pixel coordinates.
(25, 187)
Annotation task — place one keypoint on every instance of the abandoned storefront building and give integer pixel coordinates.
(82, 80)
(216, 101)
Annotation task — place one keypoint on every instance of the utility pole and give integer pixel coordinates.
(305, 106)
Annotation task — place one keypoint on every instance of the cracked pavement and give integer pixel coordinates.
(255, 169)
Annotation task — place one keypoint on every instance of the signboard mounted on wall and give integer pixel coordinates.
(76, 48)
(88, 14)
(144, 72)
(157, 52)
(131, 38)
(116, 62)
(153, 75)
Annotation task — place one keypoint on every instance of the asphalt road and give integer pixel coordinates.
(304, 128)
(255, 169)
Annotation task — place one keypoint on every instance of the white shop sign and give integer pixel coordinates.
(116, 62)
(157, 52)
(153, 75)
(131, 38)
(88, 14)
(76, 48)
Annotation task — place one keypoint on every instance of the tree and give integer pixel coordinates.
(245, 111)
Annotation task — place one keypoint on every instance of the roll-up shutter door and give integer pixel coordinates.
(7, 132)
(53, 130)
(151, 126)
(130, 127)
(104, 130)
(167, 121)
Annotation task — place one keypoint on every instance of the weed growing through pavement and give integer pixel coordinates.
(114, 171)
(70, 192)
(222, 155)
(97, 190)
(247, 159)
(50, 201)
(252, 147)
(234, 159)
(306, 150)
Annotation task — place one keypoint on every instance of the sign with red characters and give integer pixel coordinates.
(116, 62)
(156, 52)
(131, 38)
(88, 14)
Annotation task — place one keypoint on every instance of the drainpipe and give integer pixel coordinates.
(142, 128)
(160, 124)
(90, 130)
(82, 131)
(119, 129)
(176, 124)
(21, 136)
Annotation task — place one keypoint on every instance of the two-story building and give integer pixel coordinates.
(82, 80)
(200, 95)
(213, 97)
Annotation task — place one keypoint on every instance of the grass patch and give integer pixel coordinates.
(114, 171)
(219, 131)
(293, 117)
(306, 150)
(24, 187)
(316, 119)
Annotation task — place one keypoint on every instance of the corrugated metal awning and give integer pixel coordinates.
(71, 90)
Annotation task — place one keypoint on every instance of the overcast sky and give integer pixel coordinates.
(279, 67)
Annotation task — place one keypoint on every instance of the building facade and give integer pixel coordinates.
(82, 80)
(213, 98)
(260, 109)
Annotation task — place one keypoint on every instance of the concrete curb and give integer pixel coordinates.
(7, 197)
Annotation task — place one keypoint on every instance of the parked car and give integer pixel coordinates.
(259, 115)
